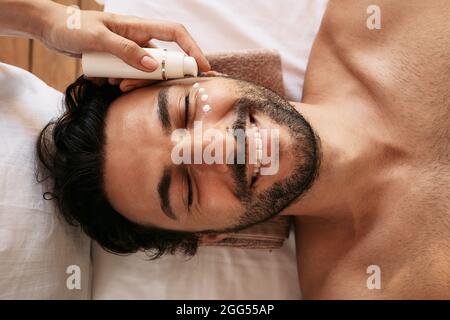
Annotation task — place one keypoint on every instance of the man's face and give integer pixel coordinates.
(145, 181)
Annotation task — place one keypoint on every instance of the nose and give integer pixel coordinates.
(211, 149)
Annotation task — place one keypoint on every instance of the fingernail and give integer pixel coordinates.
(149, 63)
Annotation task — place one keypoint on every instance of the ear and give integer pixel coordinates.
(212, 238)
(213, 73)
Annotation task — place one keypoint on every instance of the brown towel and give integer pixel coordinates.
(262, 67)
(259, 66)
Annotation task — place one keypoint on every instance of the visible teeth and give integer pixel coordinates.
(258, 145)
(258, 155)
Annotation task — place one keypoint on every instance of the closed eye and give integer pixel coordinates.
(187, 192)
(189, 182)
(186, 111)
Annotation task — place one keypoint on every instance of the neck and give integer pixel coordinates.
(348, 164)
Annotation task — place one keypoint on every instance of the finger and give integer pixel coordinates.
(213, 73)
(150, 44)
(127, 85)
(129, 51)
(168, 31)
(118, 81)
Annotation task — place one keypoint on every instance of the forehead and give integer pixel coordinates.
(137, 150)
(130, 121)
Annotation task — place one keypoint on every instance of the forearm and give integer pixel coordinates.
(25, 18)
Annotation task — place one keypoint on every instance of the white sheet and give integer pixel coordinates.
(35, 246)
(220, 273)
(214, 273)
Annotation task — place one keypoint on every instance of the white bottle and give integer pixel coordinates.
(172, 65)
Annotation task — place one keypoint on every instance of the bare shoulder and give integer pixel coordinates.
(400, 52)
(399, 44)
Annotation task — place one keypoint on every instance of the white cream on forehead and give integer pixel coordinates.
(204, 97)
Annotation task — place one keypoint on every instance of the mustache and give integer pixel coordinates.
(283, 114)
(239, 170)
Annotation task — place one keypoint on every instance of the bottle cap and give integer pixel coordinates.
(190, 67)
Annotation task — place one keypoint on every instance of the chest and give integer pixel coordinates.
(402, 252)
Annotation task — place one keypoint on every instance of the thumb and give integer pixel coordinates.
(129, 52)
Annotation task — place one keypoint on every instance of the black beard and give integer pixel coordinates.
(305, 150)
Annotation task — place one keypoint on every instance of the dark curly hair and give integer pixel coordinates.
(71, 153)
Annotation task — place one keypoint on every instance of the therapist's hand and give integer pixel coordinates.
(56, 26)
(120, 35)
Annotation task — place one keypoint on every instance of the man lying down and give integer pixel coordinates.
(362, 163)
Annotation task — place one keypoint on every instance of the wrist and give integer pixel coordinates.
(44, 16)
(18, 18)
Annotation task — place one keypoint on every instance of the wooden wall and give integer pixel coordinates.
(55, 69)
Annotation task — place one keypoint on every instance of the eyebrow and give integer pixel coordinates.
(163, 191)
(163, 110)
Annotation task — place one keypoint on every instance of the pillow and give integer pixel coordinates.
(41, 256)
